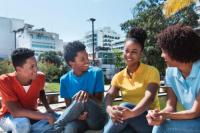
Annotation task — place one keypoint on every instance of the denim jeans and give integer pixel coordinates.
(138, 124)
(23, 124)
(67, 122)
(178, 126)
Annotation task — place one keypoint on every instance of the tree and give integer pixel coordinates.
(6, 66)
(149, 15)
(118, 58)
(172, 6)
(53, 57)
(50, 70)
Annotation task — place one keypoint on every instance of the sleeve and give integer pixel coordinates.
(7, 92)
(99, 87)
(167, 81)
(154, 76)
(114, 81)
(63, 89)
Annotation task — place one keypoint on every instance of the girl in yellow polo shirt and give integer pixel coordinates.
(139, 84)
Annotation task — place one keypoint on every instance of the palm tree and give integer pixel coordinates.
(172, 6)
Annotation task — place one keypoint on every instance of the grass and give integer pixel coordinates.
(55, 87)
(52, 87)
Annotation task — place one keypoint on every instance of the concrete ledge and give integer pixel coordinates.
(52, 97)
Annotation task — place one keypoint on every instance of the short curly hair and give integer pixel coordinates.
(71, 50)
(137, 34)
(181, 43)
(20, 55)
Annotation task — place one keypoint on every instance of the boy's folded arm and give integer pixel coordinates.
(16, 111)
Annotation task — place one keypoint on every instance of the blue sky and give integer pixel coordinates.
(68, 17)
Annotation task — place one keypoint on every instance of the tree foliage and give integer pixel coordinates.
(6, 66)
(118, 58)
(149, 15)
(53, 56)
(50, 70)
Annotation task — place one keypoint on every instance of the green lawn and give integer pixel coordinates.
(52, 87)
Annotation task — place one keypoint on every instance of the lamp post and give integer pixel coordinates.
(92, 19)
(14, 31)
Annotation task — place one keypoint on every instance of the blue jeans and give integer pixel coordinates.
(138, 124)
(67, 122)
(23, 124)
(178, 126)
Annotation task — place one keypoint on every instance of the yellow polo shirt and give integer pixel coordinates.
(133, 90)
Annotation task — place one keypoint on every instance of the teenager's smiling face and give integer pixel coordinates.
(29, 69)
(168, 60)
(132, 53)
(81, 61)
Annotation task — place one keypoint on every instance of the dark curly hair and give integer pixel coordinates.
(137, 34)
(181, 43)
(20, 55)
(71, 50)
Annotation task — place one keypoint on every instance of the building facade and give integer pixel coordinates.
(106, 62)
(118, 44)
(38, 40)
(7, 38)
(103, 37)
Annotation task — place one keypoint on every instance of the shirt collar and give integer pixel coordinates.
(195, 69)
(193, 73)
(139, 70)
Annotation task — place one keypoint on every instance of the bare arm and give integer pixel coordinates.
(16, 112)
(171, 101)
(98, 97)
(156, 117)
(143, 105)
(68, 102)
(187, 114)
(110, 97)
(43, 99)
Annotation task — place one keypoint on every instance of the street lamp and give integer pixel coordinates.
(14, 31)
(92, 19)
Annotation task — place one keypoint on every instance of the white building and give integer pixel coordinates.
(103, 37)
(118, 44)
(38, 40)
(7, 39)
(106, 62)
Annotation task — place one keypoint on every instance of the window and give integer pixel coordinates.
(105, 61)
(99, 55)
(105, 55)
(110, 61)
(110, 55)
